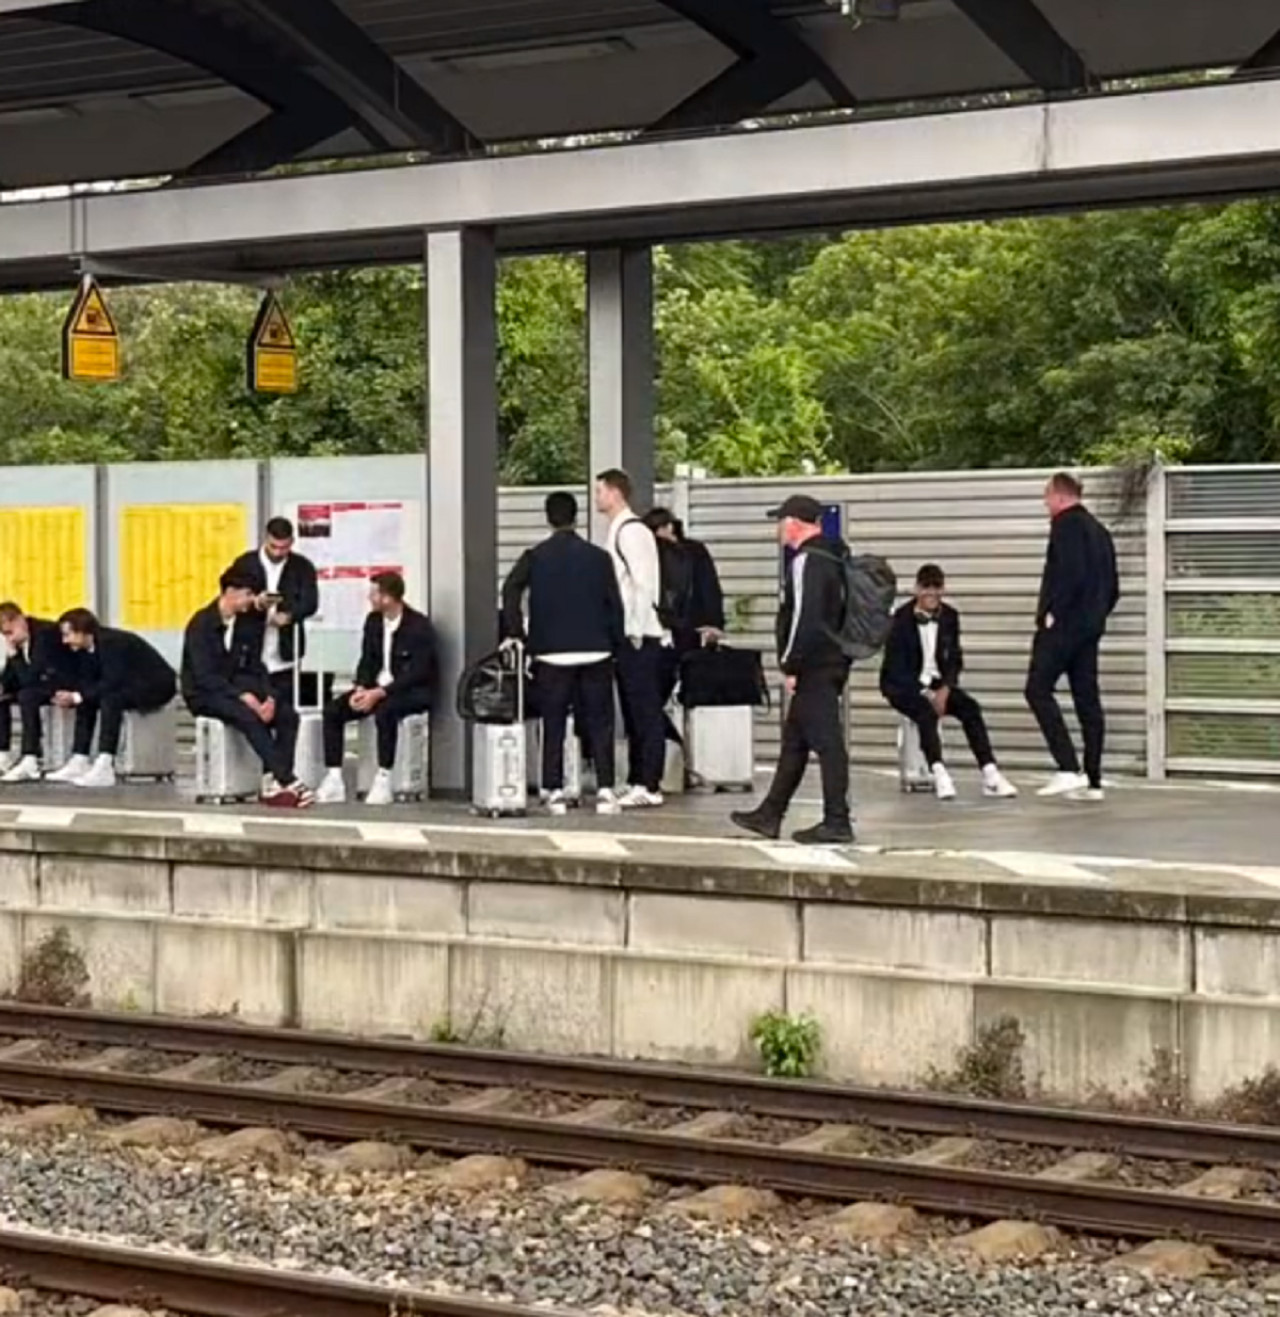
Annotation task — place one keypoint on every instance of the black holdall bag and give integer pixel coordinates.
(496, 689)
(722, 677)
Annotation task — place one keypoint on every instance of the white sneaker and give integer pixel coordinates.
(1064, 784)
(7, 761)
(332, 789)
(101, 776)
(1092, 794)
(640, 798)
(557, 805)
(380, 792)
(996, 785)
(72, 771)
(607, 801)
(27, 769)
(943, 787)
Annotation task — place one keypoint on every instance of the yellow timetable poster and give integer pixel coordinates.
(42, 559)
(172, 556)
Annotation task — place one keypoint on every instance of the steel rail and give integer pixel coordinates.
(191, 1284)
(930, 1113)
(1102, 1208)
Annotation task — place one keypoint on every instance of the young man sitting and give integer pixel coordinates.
(920, 677)
(395, 677)
(118, 673)
(224, 677)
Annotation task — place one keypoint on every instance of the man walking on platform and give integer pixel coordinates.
(813, 660)
(634, 551)
(1078, 593)
(286, 594)
(574, 632)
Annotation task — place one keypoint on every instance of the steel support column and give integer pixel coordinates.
(462, 477)
(621, 365)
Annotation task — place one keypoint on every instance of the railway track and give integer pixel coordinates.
(192, 1285)
(811, 1140)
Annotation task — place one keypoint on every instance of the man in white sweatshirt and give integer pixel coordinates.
(634, 551)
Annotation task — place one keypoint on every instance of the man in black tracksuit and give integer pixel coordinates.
(223, 677)
(816, 668)
(117, 673)
(1078, 593)
(575, 631)
(35, 668)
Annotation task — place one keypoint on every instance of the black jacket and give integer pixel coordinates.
(904, 654)
(299, 597)
(1080, 586)
(707, 596)
(574, 603)
(211, 670)
(413, 654)
(808, 627)
(122, 661)
(48, 663)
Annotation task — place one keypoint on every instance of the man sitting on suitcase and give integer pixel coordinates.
(34, 668)
(920, 678)
(117, 673)
(395, 678)
(224, 677)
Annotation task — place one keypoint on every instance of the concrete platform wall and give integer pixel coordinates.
(636, 972)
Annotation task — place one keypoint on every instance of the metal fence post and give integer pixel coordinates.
(1157, 624)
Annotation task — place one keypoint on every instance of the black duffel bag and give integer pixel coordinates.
(719, 677)
(490, 691)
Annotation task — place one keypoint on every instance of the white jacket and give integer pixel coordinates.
(634, 551)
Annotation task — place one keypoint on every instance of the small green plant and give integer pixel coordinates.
(54, 973)
(789, 1045)
(483, 1029)
(1163, 1090)
(1253, 1101)
(990, 1067)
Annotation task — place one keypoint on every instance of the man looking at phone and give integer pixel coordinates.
(285, 596)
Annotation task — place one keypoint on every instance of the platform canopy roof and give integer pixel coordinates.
(118, 89)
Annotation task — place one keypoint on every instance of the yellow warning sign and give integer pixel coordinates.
(43, 558)
(171, 556)
(273, 351)
(90, 340)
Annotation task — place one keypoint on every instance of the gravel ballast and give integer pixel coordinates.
(527, 1246)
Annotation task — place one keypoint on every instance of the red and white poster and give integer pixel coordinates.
(349, 543)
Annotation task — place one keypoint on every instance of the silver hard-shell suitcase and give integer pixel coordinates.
(308, 756)
(720, 745)
(913, 771)
(57, 732)
(149, 745)
(500, 755)
(409, 772)
(226, 767)
(573, 784)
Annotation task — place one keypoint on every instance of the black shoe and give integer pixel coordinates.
(755, 821)
(825, 834)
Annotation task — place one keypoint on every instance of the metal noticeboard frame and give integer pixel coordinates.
(272, 353)
(90, 339)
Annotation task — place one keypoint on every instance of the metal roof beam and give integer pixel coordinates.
(1028, 38)
(773, 60)
(360, 72)
(201, 39)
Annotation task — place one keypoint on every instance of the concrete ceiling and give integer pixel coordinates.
(117, 89)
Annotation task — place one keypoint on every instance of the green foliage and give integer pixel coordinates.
(1104, 337)
(54, 973)
(788, 1044)
(990, 1067)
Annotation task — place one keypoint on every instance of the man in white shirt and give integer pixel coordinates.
(395, 677)
(634, 551)
(920, 678)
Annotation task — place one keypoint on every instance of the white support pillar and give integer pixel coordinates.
(462, 477)
(621, 366)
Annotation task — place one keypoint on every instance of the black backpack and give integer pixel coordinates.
(675, 590)
(870, 592)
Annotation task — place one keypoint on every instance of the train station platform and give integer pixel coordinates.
(1122, 936)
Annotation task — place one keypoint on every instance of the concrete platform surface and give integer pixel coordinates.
(1198, 839)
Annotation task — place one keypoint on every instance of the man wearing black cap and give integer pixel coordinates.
(812, 659)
